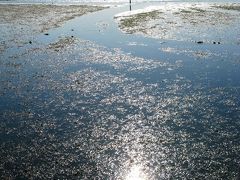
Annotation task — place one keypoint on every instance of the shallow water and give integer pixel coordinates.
(120, 106)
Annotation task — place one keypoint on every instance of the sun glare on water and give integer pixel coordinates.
(136, 173)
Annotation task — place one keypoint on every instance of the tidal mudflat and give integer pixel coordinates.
(71, 108)
(21, 23)
(199, 22)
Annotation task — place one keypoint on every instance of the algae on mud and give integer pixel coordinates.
(61, 43)
(137, 19)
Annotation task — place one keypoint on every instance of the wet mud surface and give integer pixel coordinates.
(199, 22)
(20, 24)
(76, 110)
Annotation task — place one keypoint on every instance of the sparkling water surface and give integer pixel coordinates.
(119, 106)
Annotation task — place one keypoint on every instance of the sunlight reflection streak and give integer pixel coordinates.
(136, 173)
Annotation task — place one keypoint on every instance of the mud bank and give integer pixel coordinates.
(198, 22)
(20, 23)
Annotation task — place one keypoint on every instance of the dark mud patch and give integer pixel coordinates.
(3, 46)
(234, 7)
(138, 19)
(61, 44)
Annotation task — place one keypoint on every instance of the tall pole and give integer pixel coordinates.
(130, 4)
